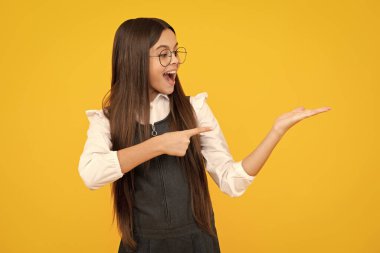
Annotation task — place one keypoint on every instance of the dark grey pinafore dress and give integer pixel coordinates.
(162, 215)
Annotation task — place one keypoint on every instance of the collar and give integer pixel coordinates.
(160, 96)
(163, 95)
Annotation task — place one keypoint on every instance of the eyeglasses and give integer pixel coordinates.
(165, 57)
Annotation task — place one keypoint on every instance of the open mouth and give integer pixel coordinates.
(170, 76)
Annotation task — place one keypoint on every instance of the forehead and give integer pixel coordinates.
(166, 40)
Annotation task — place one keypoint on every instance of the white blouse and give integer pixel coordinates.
(99, 165)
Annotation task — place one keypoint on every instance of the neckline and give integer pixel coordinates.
(157, 122)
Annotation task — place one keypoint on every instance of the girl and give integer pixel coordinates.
(154, 144)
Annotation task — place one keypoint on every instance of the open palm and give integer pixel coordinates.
(287, 120)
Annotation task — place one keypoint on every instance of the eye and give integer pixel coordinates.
(165, 53)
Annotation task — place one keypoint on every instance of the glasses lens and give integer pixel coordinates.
(165, 57)
(181, 54)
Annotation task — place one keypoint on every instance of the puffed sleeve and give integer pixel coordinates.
(98, 164)
(228, 174)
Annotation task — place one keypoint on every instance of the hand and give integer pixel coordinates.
(176, 143)
(287, 120)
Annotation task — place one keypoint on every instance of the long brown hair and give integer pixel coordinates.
(128, 99)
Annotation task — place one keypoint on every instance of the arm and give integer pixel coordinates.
(228, 174)
(255, 160)
(132, 156)
(99, 165)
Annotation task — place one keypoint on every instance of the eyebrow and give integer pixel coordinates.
(176, 44)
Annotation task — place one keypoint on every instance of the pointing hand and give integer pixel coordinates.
(176, 143)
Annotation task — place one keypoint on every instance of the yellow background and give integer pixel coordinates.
(319, 190)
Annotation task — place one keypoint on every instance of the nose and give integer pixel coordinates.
(174, 59)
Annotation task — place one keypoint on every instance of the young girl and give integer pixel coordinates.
(154, 144)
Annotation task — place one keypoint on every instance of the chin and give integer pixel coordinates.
(168, 91)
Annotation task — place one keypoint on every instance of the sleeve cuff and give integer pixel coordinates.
(241, 172)
(116, 162)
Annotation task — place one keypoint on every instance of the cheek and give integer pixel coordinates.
(155, 70)
(155, 74)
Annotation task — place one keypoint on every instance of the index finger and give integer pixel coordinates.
(197, 130)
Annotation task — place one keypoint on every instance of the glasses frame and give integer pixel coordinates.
(171, 53)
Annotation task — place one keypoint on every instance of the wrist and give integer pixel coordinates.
(277, 131)
(156, 143)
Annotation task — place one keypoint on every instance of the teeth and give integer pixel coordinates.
(171, 72)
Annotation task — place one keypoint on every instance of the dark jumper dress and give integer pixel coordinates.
(162, 215)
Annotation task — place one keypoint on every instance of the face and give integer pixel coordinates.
(159, 79)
